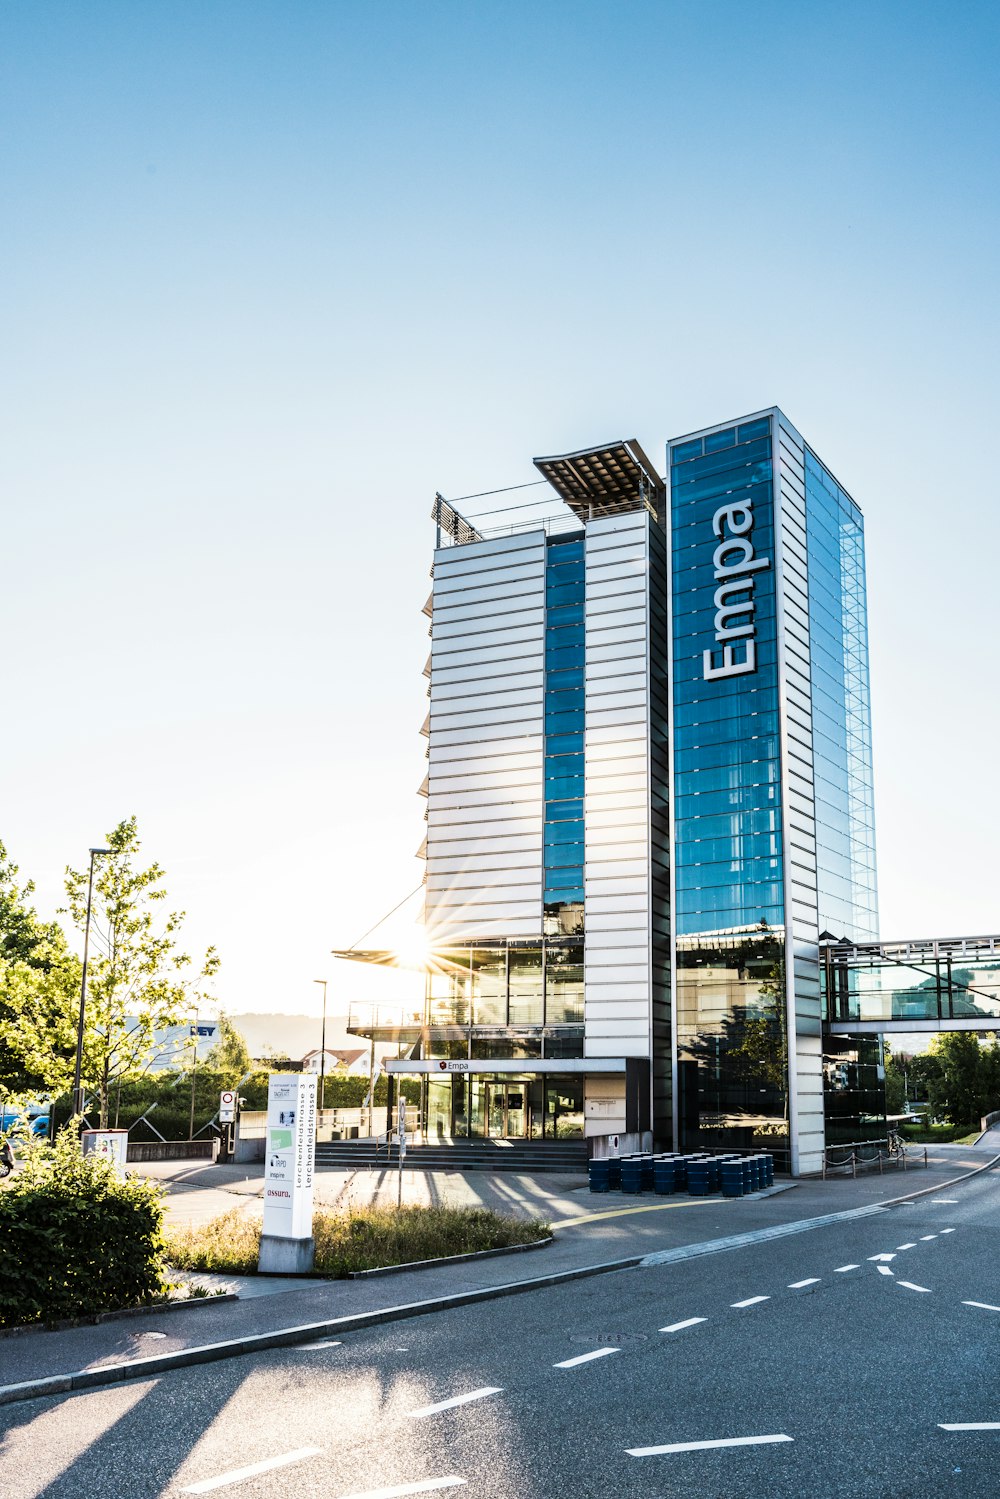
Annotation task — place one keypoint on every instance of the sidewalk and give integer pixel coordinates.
(590, 1230)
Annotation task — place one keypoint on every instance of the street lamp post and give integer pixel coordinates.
(77, 1088)
(322, 1052)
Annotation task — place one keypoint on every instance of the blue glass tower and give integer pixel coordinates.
(772, 825)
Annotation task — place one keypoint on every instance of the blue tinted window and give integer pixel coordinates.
(571, 809)
(557, 657)
(717, 440)
(760, 428)
(570, 854)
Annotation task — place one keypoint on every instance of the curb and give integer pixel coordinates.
(450, 1259)
(182, 1304)
(287, 1337)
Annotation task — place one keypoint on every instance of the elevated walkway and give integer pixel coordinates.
(459, 1155)
(937, 984)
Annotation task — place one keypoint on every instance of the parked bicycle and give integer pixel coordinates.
(895, 1144)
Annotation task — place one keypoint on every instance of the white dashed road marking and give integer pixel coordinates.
(842, 1269)
(983, 1306)
(750, 1301)
(909, 1286)
(947, 1230)
(585, 1358)
(680, 1326)
(797, 1285)
(951, 1201)
(883, 1269)
(704, 1446)
(447, 1405)
(969, 1425)
(925, 1237)
(905, 1246)
(398, 1490)
(237, 1475)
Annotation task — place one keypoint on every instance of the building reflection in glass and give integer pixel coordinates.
(732, 1039)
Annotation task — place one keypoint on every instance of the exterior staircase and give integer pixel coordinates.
(459, 1155)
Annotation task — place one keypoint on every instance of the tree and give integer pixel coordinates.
(38, 974)
(962, 1076)
(230, 1056)
(138, 981)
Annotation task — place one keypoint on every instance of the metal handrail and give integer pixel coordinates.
(854, 1160)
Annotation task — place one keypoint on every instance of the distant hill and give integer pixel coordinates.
(294, 1035)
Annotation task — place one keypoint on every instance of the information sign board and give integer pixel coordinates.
(289, 1155)
(109, 1144)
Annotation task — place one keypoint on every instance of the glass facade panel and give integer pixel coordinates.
(729, 912)
(564, 722)
(838, 627)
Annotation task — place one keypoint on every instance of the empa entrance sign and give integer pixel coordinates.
(286, 1245)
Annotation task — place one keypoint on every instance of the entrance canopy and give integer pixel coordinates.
(579, 1066)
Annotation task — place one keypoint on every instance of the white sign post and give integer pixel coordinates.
(401, 1137)
(286, 1245)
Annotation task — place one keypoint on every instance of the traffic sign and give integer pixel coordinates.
(227, 1106)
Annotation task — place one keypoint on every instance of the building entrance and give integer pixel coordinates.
(507, 1111)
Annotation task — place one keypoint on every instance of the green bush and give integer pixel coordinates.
(75, 1238)
(361, 1239)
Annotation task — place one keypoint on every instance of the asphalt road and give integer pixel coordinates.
(851, 1366)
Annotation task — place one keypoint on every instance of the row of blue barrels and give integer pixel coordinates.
(698, 1175)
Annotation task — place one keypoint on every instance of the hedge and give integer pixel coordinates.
(76, 1238)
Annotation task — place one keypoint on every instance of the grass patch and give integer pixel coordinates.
(939, 1134)
(361, 1239)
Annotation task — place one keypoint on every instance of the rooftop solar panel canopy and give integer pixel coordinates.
(607, 480)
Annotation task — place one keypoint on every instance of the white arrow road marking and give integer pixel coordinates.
(797, 1285)
(885, 1257)
(585, 1358)
(398, 1490)
(750, 1301)
(704, 1446)
(883, 1269)
(842, 1269)
(447, 1405)
(679, 1326)
(237, 1475)
(911, 1287)
(983, 1306)
(905, 1246)
(969, 1425)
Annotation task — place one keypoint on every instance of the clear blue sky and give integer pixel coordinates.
(273, 273)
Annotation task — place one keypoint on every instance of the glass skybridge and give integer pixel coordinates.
(948, 984)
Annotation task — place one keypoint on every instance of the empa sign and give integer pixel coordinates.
(736, 565)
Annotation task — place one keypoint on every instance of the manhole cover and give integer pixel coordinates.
(608, 1339)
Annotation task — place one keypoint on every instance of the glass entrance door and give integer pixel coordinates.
(507, 1110)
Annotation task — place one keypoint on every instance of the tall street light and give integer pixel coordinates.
(322, 1054)
(77, 1089)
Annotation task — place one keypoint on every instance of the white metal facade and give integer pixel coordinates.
(484, 783)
